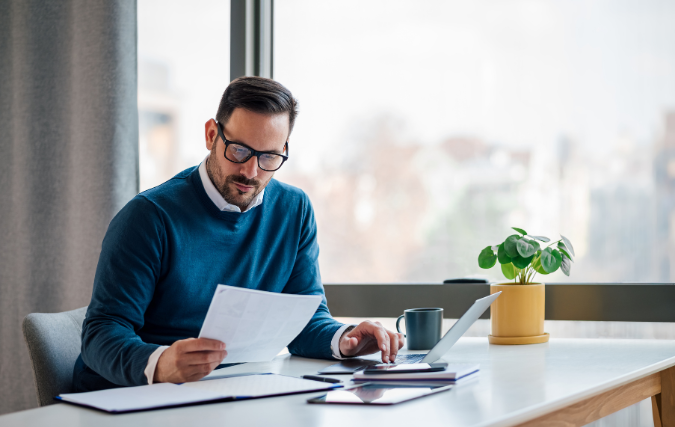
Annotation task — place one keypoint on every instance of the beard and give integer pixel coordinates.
(226, 188)
(237, 197)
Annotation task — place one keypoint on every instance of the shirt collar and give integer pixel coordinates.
(217, 198)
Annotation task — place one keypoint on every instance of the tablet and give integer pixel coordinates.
(378, 394)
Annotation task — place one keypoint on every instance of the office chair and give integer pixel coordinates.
(53, 341)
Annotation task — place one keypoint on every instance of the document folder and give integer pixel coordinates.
(166, 395)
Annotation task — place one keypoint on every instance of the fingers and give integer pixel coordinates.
(393, 345)
(200, 344)
(196, 365)
(376, 331)
(383, 342)
(189, 360)
(396, 343)
(203, 357)
(202, 353)
(198, 372)
(370, 337)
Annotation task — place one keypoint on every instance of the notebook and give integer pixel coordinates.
(165, 395)
(450, 374)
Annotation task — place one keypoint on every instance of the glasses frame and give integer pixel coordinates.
(255, 153)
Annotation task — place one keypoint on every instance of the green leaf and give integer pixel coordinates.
(538, 268)
(487, 258)
(510, 245)
(520, 230)
(541, 238)
(502, 256)
(568, 244)
(566, 265)
(527, 247)
(565, 254)
(510, 272)
(550, 260)
(522, 262)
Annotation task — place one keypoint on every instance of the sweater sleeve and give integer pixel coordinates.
(128, 268)
(315, 339)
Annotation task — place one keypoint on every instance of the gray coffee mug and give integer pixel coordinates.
(422, 327)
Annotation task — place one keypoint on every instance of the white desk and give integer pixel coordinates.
(575, 380)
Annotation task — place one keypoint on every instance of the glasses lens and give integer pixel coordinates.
(237, 153)
(270, 162)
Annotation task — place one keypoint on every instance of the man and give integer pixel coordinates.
(226, 221)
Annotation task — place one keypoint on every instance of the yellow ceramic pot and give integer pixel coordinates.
(517, 316)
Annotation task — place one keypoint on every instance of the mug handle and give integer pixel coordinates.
(397, 324)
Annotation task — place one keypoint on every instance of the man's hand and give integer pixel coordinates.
(370, 337)
(189, 360)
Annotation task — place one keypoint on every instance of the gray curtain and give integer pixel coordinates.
(68, 159)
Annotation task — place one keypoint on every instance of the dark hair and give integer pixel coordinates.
(259, 95)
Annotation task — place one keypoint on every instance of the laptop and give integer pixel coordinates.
(349, 366)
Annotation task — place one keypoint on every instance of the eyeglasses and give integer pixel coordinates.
(236, 152)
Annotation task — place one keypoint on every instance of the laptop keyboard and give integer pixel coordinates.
(409, 358)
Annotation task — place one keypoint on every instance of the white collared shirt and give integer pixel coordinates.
(223, 205)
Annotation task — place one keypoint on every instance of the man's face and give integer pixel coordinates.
(239, 183)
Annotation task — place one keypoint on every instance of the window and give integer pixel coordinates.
(183, 68)
(427, 130)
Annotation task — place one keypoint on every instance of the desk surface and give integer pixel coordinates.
(516, 384)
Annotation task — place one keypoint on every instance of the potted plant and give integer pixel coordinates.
(517, 316)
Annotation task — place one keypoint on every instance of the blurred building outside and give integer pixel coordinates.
(394, 203)
(415, 212)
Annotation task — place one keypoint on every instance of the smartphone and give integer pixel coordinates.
(410, 368)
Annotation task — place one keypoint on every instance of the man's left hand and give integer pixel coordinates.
(370, 337)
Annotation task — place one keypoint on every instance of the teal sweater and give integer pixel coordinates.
(164, 254)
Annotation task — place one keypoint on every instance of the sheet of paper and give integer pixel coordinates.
(141, 397)
(257, 385)
(256, 325)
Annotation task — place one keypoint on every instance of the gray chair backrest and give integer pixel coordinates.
(54, 341)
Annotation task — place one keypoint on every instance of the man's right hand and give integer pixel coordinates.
(189, 360)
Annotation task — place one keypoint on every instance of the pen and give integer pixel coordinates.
(322, 379)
